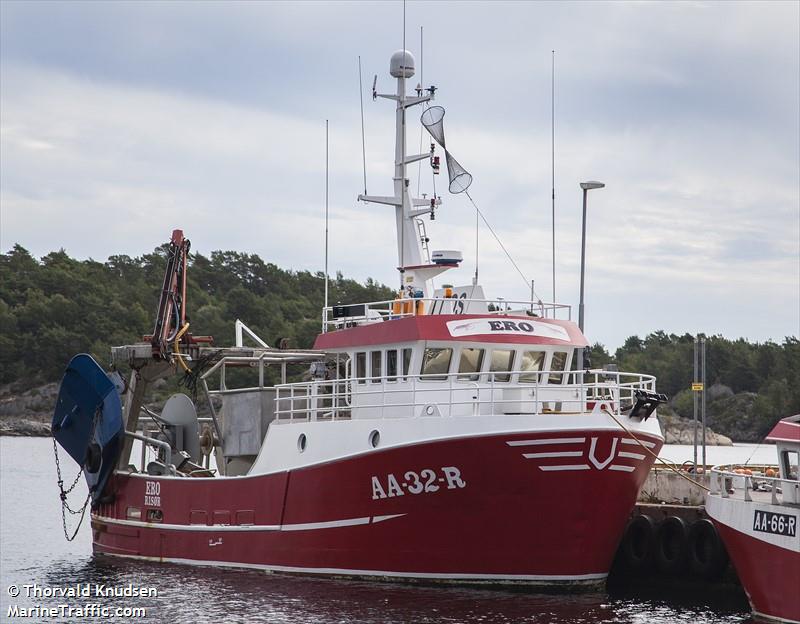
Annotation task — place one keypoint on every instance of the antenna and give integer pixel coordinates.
(324, 316)
(422, 85)
(403, 160)
(553, 157)
(363, 143)
(475, 281)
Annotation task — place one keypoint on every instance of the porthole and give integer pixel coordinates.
(375, 438)
(429, 410)
(301, 442)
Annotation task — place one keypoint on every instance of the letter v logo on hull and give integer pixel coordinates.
(602, 464)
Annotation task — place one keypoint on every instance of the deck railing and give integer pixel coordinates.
(458, 394)
(727, 483)
(340, 316)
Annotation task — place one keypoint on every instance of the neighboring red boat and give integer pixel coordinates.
(441, 435)
(757, 516)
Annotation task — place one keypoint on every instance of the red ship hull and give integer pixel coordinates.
(543, 508)
(769, 574)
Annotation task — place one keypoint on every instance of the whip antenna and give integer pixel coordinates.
(419, 92)
(326, 224)
(553, 157)
(363, 143)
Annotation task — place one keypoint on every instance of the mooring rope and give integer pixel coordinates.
(642, 444)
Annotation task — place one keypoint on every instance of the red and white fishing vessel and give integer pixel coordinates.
(441, 435)
(757, 516)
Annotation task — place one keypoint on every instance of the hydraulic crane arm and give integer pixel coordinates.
(171, 315)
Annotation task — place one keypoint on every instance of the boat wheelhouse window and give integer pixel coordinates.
(375, 361)
(470, 361)
(391, 365)
(789, 465)
(361, 366)
(558, 363)
(436, 362)
(502, 362)
(532, 363)
(406, 362)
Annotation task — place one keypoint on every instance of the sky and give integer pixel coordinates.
(122, 121)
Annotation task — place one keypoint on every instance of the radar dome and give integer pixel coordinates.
(402, 64)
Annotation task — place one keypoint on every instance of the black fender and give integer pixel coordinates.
(708, 557)
(672, 551)
(638, 544)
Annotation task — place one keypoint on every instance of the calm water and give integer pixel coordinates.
(33, 549)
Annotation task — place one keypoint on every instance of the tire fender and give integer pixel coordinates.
(638, 543)
(708, 558)
(672, 551)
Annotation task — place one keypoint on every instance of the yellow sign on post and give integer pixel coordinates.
(697, 387)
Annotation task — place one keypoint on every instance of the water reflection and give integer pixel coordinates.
(189, 594)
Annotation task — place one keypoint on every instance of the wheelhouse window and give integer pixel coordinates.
(469, 364)
(789, 463)
(391, 365)
(406, 362)
(502, 362)
(375, 361)
(532, 363)
(558, 363)
(436, 362)
(361, 366)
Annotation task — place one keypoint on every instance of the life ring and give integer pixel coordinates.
(637, 544)
(671, 546)
(708, 558)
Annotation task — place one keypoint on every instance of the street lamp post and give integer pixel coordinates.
(586, 186)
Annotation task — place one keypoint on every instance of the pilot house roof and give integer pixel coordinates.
(465, 328)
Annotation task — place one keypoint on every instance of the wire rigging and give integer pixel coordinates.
(363, 141)
(499, 242)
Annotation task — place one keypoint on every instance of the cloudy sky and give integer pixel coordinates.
(121, 121)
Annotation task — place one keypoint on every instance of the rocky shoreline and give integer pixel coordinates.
(27, 413)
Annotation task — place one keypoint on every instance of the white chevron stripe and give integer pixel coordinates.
(546, 441)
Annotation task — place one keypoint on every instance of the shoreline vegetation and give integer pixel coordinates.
(56, 306)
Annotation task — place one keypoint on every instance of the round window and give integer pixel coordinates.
(375, 438)
(301, 442)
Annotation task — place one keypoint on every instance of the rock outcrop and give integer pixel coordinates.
(679, 430)
(27, 413)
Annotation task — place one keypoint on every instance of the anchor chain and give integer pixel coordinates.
(64, 493)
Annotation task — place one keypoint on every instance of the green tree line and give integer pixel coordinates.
(53, 308)
(750, 386)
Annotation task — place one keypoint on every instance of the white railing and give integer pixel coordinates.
(727, 483)
(458, 394)
(377, 311)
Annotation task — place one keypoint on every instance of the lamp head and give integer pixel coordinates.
(587, 186)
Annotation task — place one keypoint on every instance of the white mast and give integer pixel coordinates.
(409, 245)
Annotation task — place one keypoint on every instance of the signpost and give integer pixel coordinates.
(699, 393)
